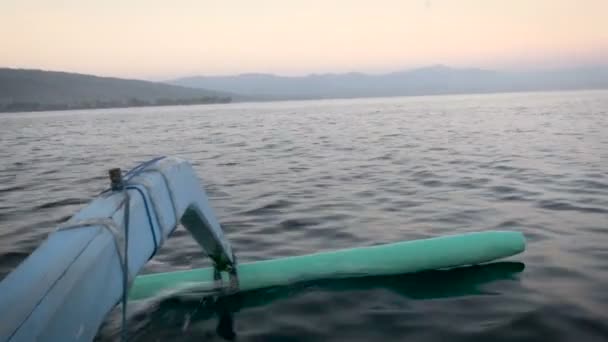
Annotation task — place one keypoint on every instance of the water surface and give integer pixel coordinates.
(291, 178)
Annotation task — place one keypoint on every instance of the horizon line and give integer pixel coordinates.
(311, 74)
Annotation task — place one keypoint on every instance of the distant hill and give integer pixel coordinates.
(424, 81)
(29, 90)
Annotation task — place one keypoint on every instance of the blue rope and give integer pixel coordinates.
(132, 173)
(125, 275)
(144, 198)
(136, 170)
(127, 204)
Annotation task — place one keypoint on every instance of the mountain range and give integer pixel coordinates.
(431, 80)
(30, 90)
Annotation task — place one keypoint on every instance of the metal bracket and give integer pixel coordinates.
(195, 222)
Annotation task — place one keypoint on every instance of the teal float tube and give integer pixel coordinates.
(395, 258)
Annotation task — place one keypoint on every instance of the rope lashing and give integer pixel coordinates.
(122, 183)
(117, 184)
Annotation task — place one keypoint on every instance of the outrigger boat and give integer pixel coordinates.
(64, 290)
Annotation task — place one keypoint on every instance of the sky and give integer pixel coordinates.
(160, 39)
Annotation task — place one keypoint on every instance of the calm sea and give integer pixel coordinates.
(291, 178)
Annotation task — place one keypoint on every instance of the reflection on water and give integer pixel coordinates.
(192, 307)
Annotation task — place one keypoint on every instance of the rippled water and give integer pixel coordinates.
(299, 177)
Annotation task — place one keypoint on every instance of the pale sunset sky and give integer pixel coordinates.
(160, 39)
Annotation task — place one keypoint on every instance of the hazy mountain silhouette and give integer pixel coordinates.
(424, 81)
(30, 90)
(25, 90)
